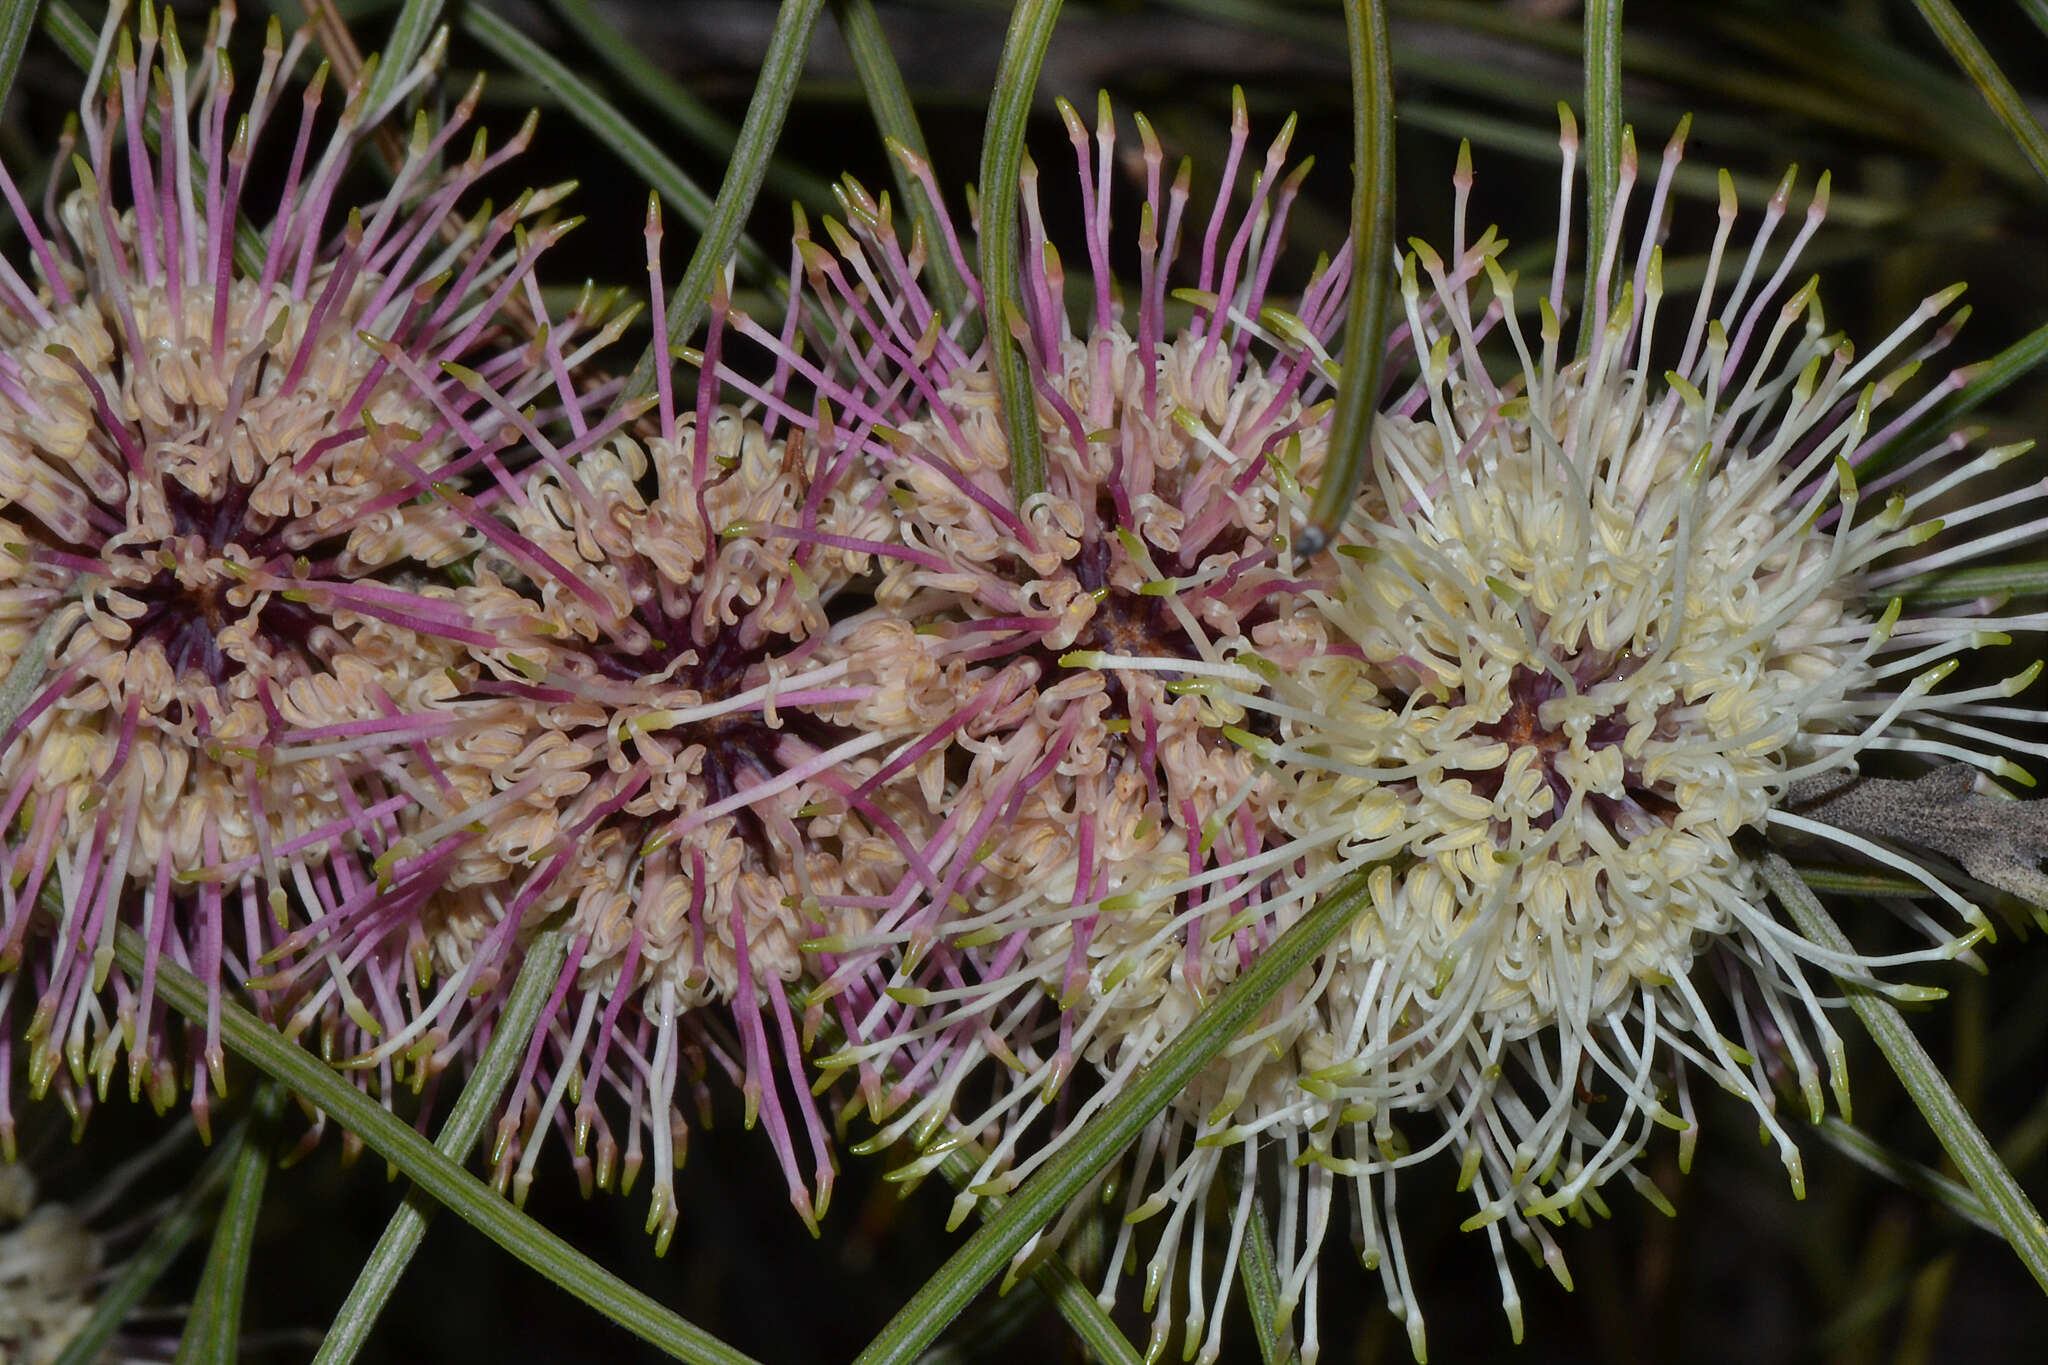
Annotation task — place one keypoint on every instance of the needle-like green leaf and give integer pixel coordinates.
(1372, 249)
(213, 1331)
(1002, 162)
(616, 131)
(441, 1179)
(781, 69)
(882, 81)
(1979, 65)
(673, 100)
(465, 1124)
(1930, 1091)
(1603, 141)
(17, 17)
(409, 37)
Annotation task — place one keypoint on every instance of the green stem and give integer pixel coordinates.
(1372, 248)
(465, 1124)
(1923, 1081)
(1105, 1137)
(1002, 165)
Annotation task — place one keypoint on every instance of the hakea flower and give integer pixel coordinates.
(222, 645)
(1598, 627)
(696, 774)
(56, 1260)
(1101, 859)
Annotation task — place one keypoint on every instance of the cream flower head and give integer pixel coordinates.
(1598, 628)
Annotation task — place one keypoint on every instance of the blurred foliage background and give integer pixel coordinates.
(1928, 189)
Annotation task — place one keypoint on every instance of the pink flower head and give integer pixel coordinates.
(221, 639)
(692, 766)
(1102, 852)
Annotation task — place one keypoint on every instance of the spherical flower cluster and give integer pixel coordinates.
(219, 616)
(688, 765)
(1595, 630)
(1101, 862)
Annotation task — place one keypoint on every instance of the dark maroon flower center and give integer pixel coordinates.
(1521, 726)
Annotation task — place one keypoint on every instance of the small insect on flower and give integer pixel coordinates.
(694, 769)
(1596, 627)
(222, 643)
(1101, 855)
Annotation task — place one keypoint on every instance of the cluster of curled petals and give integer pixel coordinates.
(219, 611)
(1593, 631)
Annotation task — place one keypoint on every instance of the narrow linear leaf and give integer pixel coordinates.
(188, 1216)
(465, 1124)
(1960, 585)
(2037, 10)
(671, 99)
(1372, 247)
(781, 68)
(17, 17)
(213, 1332)
(1978, 64)
(1603, 141)
(1053, 1276)
(1270, 1321)
(1987, 380)
(1873, 1156)
(442, 1180)
(1104, 1138)
(882, 81)
(1076, 1303)
(402, 49)
(1854, 881)
(612, 128)
(1959, 1135)
(1002, 162)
